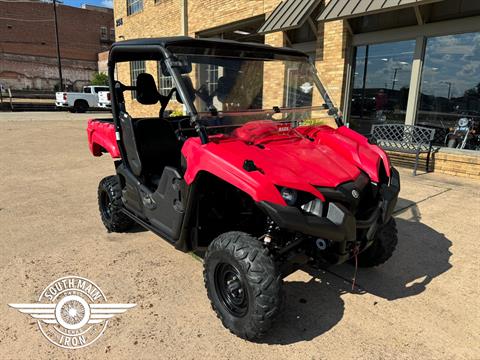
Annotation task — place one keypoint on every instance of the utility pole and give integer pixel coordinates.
(58, 46)
(394, 77)
(184, 12)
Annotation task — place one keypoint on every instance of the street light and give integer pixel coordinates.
(58, 45)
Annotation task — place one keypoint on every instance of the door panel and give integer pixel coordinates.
(164, 208)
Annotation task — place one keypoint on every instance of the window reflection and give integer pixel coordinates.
(450, 84)
(381, 84)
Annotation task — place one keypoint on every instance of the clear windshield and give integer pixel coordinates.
(234, 91)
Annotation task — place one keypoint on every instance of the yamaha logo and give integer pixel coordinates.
(355, 194)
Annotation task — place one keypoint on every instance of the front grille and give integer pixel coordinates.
(362, 206)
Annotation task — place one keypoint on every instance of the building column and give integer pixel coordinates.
(273, 74)
(415, 81)
(333, 48)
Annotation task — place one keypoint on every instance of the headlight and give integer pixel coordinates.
(289, 195)
(463, 122)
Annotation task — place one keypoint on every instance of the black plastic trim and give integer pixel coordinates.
(291, 218)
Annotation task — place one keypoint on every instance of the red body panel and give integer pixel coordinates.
(101, 136)
(283, 157)
(351, 146)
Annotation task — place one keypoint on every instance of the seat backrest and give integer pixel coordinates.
(129, 141)
(158, 145)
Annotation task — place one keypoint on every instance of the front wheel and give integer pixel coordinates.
(243, 284)
(383, 246)
(110, 205)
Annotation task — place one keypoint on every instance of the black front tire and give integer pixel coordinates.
(383, 246)
(110, 205)
(243, 284)
(452, 143)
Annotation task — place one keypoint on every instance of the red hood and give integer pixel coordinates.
(298, 161)
(283, 158)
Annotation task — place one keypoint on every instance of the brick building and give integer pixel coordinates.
(383, 61)
(28, 55)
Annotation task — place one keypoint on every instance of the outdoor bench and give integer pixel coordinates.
(410, 139)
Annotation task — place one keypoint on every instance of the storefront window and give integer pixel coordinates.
(451, 87)
(380, 84)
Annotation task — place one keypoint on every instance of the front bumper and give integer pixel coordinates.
(340, 225)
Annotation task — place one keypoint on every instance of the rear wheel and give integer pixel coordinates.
(80, 106)
(110, 205)
(383, 246)
(243, 284)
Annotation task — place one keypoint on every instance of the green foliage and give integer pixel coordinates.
(176, 112)
(100, 79)
(310, 122)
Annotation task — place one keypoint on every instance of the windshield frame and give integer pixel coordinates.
(131, 51)
(261, 55)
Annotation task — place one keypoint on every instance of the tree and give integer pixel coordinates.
(100, 79)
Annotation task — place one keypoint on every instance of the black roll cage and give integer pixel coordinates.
(156, 49)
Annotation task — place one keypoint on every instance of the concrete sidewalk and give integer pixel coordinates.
(422, 304)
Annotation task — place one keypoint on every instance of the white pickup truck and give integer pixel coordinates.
(104, 100)
(79, 101)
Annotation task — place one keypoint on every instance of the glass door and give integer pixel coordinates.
(381, 83)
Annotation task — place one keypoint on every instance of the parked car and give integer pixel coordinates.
(79, 101)
(256, 193)
(104, 100)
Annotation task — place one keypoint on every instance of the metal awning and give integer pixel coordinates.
(342, 9)
(290, 14)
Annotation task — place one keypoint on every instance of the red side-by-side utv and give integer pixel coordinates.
(240, 172)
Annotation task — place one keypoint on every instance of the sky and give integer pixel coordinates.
(107, 3)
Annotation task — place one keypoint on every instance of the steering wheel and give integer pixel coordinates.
(203, 94)
(178, 132)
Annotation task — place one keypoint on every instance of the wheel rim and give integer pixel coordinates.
(230, 289)
(106, 205)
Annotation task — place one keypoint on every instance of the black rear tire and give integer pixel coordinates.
(110, 205)
(80, 106)
(383, 246)
(243, 284)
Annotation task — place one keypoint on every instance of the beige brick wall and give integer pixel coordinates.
(332, 47)
(273, 88)
(207, 14)
(158, 19)
(458, 164)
